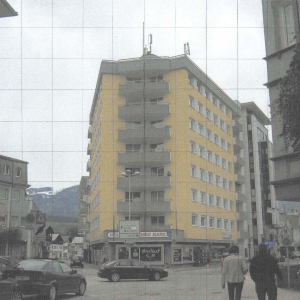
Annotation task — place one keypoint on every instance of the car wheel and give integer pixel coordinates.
(16, 296)
(156, 276)
(82, 288)
(52, 294)
(115, 277)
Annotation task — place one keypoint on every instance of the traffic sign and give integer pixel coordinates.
(129, 229)
(286, 236)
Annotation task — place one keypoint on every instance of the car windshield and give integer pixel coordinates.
(77, 258)
(111, 263)
(32, 265)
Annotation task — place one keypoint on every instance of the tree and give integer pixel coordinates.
(288, 103)
(72, 231)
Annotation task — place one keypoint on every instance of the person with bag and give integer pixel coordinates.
(263, 268)
(233, 272)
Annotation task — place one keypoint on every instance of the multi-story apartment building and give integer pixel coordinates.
(281, 22)
(258, 171)
(167, 122)
(83, 209)
(13, 185)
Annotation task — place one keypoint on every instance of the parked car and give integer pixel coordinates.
(10, 290)
(4, 265)
(130, 269)
(47, 278)
(77, 261)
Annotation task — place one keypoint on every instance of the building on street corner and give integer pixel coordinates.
(167, 124)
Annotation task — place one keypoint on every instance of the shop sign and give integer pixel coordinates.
(150, 253)
(177, 255)
(113, 234)
(154, 234)
(227, 235)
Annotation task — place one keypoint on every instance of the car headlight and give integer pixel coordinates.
(165, 270)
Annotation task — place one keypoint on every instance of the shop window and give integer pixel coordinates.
(123, 253)
(187, 253)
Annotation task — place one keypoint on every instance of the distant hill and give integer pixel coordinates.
(63, 203)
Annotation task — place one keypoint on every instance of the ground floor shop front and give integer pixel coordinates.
(160, 248)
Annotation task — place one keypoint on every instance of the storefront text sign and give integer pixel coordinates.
(142, 234)
(150, 253)
(227, 235)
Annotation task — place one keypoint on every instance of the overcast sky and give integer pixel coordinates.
(51, 52)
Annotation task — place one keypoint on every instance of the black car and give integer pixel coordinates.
(130, 269)
(10, 290)
(4, 265)
(47, 278)
(77, 261)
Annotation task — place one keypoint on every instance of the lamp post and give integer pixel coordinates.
(128, 173)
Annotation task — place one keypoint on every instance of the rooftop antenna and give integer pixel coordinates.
(187, 49)
(150, 41)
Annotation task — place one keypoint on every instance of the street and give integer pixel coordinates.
(182, 284)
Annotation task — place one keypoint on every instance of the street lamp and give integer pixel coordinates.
(128, 173)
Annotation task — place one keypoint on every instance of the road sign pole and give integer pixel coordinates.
(288, 267)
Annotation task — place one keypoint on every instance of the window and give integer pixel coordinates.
(219, 223)
(229, 166)
(6, 170)
(230, 185)
(209, 156)
(15, 194)
(157, 147)
(202, 174)
(157, 220)
(208, 114)
(133, 218)
(133, 195)
(217, 159)
(232, 225)
(216, 120)
(201, 151)
(211, 200)
(157, 78)
(224, 183)
(190, 78)
(227, 128)
(129, 79)
(133, 147)
(132, 125)
(289, 25)
(228, 111)
(200, 129)
(193, 147)
(133, 101)
(202, 197)
(222, 107)
(133, 170)
(191, 101)
(215, 100)
(194, 195)
(222, 124)
(194, 220)
(3, 193)
(218, 202)
(225, 203)
(193, 171)
(157, 171)
(65, 267)
(211, 222)
(158, 196)
(56, 268)
(159, 100)
(19, 172)
(210, 177)
(228, 147)
(200, 107)
(230, 205)
(223, 163)
(203, 221)
(218, 180)
(226, 224)
(192, 124)
(209, 134)
(216, 139)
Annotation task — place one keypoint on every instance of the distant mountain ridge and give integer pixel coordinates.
(63, 203)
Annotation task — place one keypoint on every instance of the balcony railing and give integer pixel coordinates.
(152, 134)
(139, 207)
(136, 90)
(135, 112)
(137, 183)
(237, 143)
(239, 178)
(237, 126)
(240, 197)
(238, 160)
(151, 158)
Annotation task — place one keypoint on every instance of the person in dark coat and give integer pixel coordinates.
(263, 268)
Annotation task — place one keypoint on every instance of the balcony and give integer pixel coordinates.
(137, 183)
(151, 158)
(239, 178)
(88, 166)
(237, 144)
(139, 207)
(243, 235)
(238, 161)
(137, 90)
(89, 148)
(86, 199)
(152, 135)
(237, 126)
(240, 197)
(135, 112)
(83, 211)
(90, 132)
(241, 216)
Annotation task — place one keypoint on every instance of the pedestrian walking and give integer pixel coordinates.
(263, 268)
(233, 272)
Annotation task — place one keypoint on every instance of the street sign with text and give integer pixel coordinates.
(129, 229)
